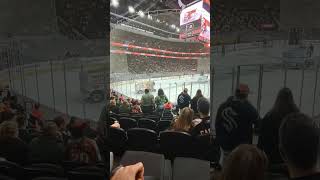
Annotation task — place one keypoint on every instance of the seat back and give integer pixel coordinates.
(190, 169)
(75, 175)
(141, 139)
(117, 139)
(147, 123)
(163, 125)
(154, 164)
(43, 170)
(127, 123)
(177, 144)
(11, 169)
(156, 118)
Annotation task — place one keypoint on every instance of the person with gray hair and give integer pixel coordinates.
(47, 147)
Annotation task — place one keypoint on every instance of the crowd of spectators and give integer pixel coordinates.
(287, 138)
(87, 17)
(145, 64)
(229, 19)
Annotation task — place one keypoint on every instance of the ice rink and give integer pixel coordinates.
(68, 99)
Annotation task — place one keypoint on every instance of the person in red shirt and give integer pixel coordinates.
(37, 114)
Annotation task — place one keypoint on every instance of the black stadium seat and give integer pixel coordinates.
(117, 139)
(50, 178)
(153, 117)
(75, 175)
(112, 120)
(141, 139)
(163, 125)
(147, 123)
(154, 164)
(127, 123)
(43, 170)
(190, 169)
(11, 169)
(177, 144)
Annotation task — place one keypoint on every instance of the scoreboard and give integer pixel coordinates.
(195, 21)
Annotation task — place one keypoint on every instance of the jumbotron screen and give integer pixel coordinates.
(195, 21)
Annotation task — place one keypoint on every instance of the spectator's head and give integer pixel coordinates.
(203, 107)
(167, 106)
(77, 129)
(125, 103)
(50, 129)
(285, 103)
(60, 122)
(160, 92)
(184, 121)
(299, 143)
(242, 91)
(185, 91)
(9, 129)
(146, 91)
(113, 103)
(246, 162)
(199, 93)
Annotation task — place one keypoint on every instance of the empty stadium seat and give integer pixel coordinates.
(154, 164)
(43, 170)
(3, 177)
(190, 169)
(74, 175)
(147, 123)
(141, 139)
(50, 178)
(112, 120)
(11, 169)
(156, 118)
(117, 139)
(163, 125)
(127, 123)
(177, 144)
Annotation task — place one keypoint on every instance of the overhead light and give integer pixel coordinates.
(158, 20)
(115, 3)
(173, 26)
(178, 30)
(149, 16)
(141, 14)
(131, 9)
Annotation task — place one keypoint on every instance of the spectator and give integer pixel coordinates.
(246, 162)
(12, 148)
(184, 99)
(160, 100)
(37, 114)
(62, 129)
(81, 148)
(184, 120)
(270, 124)
(299, 146)
(234, 121)
(167, 112)
(124, 107)
(194, 101)
(136, 107)
(202, 125)
(22, 126)
(113, 107)
(47, 148)
(147, 102)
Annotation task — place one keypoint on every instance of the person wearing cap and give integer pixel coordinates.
(183, 99)
(234, 121)
(81, 148)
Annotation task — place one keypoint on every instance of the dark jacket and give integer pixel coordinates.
(46, 149)
(269, 136)
(234, 123)
(14, 149)
(203, 128)
(183, 100)
(194, 104)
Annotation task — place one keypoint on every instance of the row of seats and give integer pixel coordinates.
(69, 170)
(170, 143)
(155, 165)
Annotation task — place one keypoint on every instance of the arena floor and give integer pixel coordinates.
(273, 80)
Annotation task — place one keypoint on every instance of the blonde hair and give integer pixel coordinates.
(9, 129)
(184, 121)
